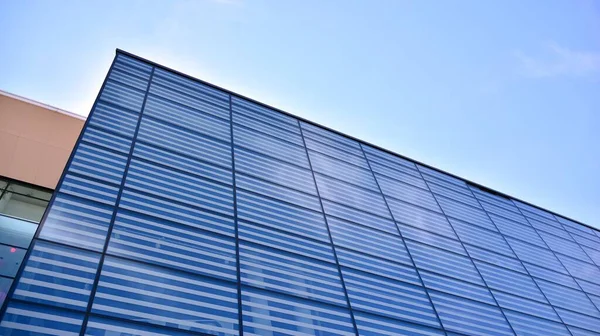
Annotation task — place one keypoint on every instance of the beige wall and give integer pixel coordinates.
(35, 140)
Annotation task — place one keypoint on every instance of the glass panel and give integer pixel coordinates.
(4, 288)
(77, 222)
(276, 191)
(449, 185)
(159, 295)
(342, 171)
(281, 216)
(494, 258)
(285, 241)
(421, 218)
(519, 231)
(265, 124)
(483, 238)
(182, 163)
(100, 326)
(326, 136)
(469, 317)
(333, 141)
(388, 297)
(16, 232)
(581, 332)
(412, 233)
(176, 212)
(407, 193)
(24, 319)
(173, 245)
(509, 281)
(2, 184)
(121, 73)
(280, 271)
(270, 146)
(115, 119)
(409, 178)
(180, 187)
(536, 255)
(560, 296)
(98, 163)
(580, 269)
(28, 191)
(373, 325)
(10, 260)
(274, 170)
(89, 189)
(500, 211)
(377, 266)
(265, 115)
(24, 207)
(191, 119)
(133, 66)
(565, 247)
(360, 217)
(465, 213)
(348, 194)
(443, 262)
(269, 313)
(525, 306)
(58, 276)
(456, 287)
(442, 176)
(389, 159)
(122, 95)
(108, 140)
(367, 240)
(334, 149)
(452, 194)
(189, 92)
(182, 141)
(580, 320)
(529, 325)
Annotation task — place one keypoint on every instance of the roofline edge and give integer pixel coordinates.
(126, 53)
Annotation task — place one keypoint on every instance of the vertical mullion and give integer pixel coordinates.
(4, 190)
(54, 193)
(235, 219)
(414, 265)
(520, 261)
(468, 255)
(116, 208)
(339, 268)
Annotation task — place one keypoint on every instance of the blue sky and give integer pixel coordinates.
(504, 93)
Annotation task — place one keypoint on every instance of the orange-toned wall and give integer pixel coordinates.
(35, 140)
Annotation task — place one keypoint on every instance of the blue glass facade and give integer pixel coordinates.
(189, 210)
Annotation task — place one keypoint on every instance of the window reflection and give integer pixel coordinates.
(16, 232)
(4, 287)
(29, 191)
(23, 207)
(10, 260)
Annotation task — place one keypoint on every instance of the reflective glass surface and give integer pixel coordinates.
(188, 210)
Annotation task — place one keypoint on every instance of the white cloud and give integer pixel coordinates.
(560, 61)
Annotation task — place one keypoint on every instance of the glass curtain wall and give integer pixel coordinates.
(188, 210)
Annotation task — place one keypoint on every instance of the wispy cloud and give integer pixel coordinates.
(556, 61)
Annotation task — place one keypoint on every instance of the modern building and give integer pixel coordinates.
(35, 143)
(186, 209)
